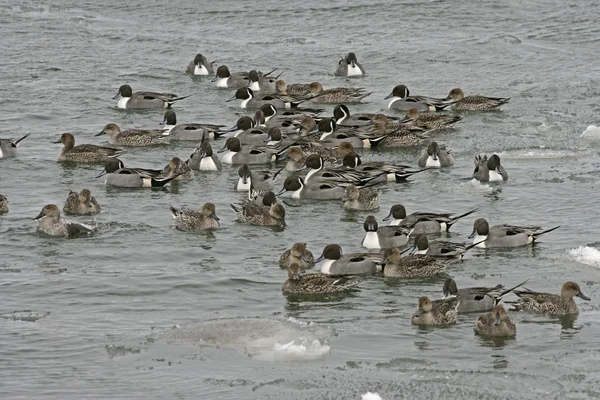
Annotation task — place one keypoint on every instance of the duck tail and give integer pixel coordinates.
(362, 96)
(507, 291)
(173, 211)
(307, 110)
(469, 247)
(402, 176)
(538, 234)
(160, 182)
(170, 102)
(281, 73)
(441, 107)
(17, 142)
(270, 72)
(455, 219)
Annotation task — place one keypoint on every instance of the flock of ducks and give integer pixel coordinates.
(283, 129)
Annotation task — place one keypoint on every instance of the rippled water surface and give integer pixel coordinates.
(94, 316)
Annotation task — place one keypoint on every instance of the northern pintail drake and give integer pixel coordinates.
(235, 153)
(336, 263)
(437, 312)
(180, 169)
(118, 175)
(329, 132)
(144, 100)
(341, 175)
(227, 80)
(489, 170)
(317, 190)
(255, 183)
(379, 171)
(336, 95)
(261, 82)
(502, 236)
(84, 153)
(298, 254)
(436, 157)
(249, 100)
(190, 220)
(298, 283)
(440, 248)
(424, 222)
(281, 89)
(133, 137)
(412, 266)
(203, 158)
(51, 224)
(3, 204)
(554, 304)
(269, 213)
(364, 199)
(402, 100)
(474, 103)
(8, 148)
(200, 66)
(342, 116)
(496, 324)
(82, 203)
(476, 299)
(298, 154)
(431, 120)
(384, 237)
(191, 132)
(349, 66)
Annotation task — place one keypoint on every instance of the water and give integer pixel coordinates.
(87, 316)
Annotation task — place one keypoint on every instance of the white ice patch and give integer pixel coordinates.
(371, 396)
(586, 255)
(592, 132)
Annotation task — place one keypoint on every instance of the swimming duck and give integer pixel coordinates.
(254, 183)
(336, 95)
(342, 117)
(499, 236)
(436, 157)
(226, 79)
(200, 66)
(316, 190)
(51, 224)
(3, 204)
(476, 299)
(364, 199)
(144, 100)
(474, 103)
(413, 266)
(203, 158)
(349, 66)
(82, 203)
(190, 220)
(378, 171)
(118, 175)
(8, 148)
(298, 254)
(84, 153)
(498, 324)
(261, 82)
(440, 248)
(437, 312)
(424, 222)
(384, 237)
(402, 100)
(431, 120)
(235, 153)
(344, 176)
(269, 213)
(188, 132)
(336, 263)
(133, 137)
(298, 283)
(562, 304)
(181, 170)
(489, 170)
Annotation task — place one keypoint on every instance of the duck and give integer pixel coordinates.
(364, 199)
(298, 254)
(255, 183)
(235, 153)
(402, 136)
(336, 95)
(412, 266)
(203, 158)
(200, 66)
(402, 100)
(476, 299)
(82, 203)
(179, 168)
(190, 220)
(563, 304)
(144, 100)
(337, 263)
(9, 148)
(3, 204)
(431, 120)
(119, 176)
(298, 283)
(504, 236)
(496, 324)
(424, 222)
(188, 132)
(269, 213)
(261, 82)
(227, 80)
(473, 103)
(316, 190)
(342, 116)
(133, 137)
(349, 66)
(440, 248)
(437, 312)
(250, 101)
(384, 237)
(489, 170)
(436, 156)
(379, 171)
(331, 134)
(344, 176)
(85, 153)
(51, 224)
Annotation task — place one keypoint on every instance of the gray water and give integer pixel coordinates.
(100, 308)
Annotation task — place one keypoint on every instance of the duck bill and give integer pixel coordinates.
(101, 174)
(57, 142)
(388, 217)
(419, 312)
(295, 276)
(280, 192)
(389, 96)
(434, 155)
(446, 294)
(118, 95)
(99, 133)
(497, 320)
(583, 296)
(410, 250)
(163, 122)
(230, 99)
(88, 203)
(222, 150)
(40, 215)
(216, 78)
(214, 216)
(321, 258)
(473, 234)
(283, 224)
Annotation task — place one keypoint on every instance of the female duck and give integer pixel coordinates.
(51, 224)
(133, 137)
(181, 170)
(437, 312)
(298, 254)
(190, 220)
(413, 266)
(3, 204)
(498, 324)
(315, 283)
(84, 153)
(562, 304)
(364, 199)
(474, 103)
(82, 203)
(430, 120)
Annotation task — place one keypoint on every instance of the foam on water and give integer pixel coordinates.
(586, 255)
(592, 132)
(371, 396)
